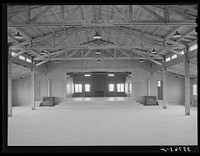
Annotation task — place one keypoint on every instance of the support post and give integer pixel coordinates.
(187, 83)
(9, 87)
(164, 87)
(33, 87)
(48, 88)
(132, 86)
(148, 87)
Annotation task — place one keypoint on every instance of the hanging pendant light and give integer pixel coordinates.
(98, 52)
(97, 36)
(18, 36)
(98, 61)
(177, 35)
(43, 52)
(141, 60)
(153, 51)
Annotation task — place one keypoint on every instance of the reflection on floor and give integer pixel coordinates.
(120, 124)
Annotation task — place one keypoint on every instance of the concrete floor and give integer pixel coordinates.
(102, 121)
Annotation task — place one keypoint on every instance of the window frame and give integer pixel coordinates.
(194, 89)
(87, 88)
(113, 87)
(79, 88)
(120, 89)
(21, 57)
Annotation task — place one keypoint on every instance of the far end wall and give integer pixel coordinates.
(62, 86)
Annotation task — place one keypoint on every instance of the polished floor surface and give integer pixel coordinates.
(106, 122)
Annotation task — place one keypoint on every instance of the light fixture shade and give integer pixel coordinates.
(141, 60)
(97, 36)
(43, 52)
(177, 35)
(18, 36)
(153, 51)
(98, 61)
(98, 52)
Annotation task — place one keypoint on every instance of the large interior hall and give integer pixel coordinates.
(101, 75)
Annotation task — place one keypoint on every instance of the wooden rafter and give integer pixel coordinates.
(109, 53)
(74, 52)
(62, 10)
(123, 52)
(41, 13)
(146, 8)
(73, 12)
(181, 13)
(88, 52)
(130, 9)
(118, 10)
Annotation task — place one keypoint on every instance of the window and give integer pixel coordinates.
(13, 53)
(21, 57)
(182, 52)
(168, 59)
(159, 84)
(194, 89)
(193, 47)
(78, 88)
(174, 56)
(28, 60)
(87, 87)
(111, 75)
(120, 87)
(111, 87)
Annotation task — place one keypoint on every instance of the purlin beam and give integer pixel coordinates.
(89, 23)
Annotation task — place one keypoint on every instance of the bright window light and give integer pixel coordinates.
(21, 57)
(193, 47)
(159, 83)
(194, 89)
(13, 53)
(87, 87)
(87, 75)
(78, 88)
(182, 52)
(28, 60)
(111, 87)
(168, 59)
(174, 56)
(120, 87)
(111, 74)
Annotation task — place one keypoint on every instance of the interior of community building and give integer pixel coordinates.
(93, 75)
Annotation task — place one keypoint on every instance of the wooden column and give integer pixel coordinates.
(33, 88)
(48, 88)
(148, 87)
(164, 88)
(9, 88)
(187, 83)
(132, 89)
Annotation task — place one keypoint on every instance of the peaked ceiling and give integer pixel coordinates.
(66, 32)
